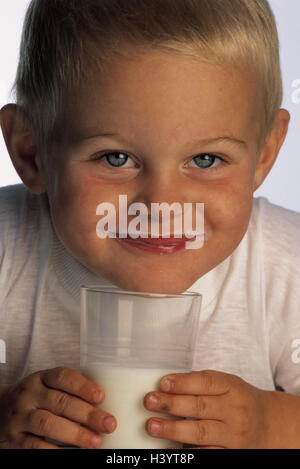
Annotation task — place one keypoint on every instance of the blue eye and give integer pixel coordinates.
(206, 160)
(116, 159)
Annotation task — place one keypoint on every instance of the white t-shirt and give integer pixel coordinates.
(250, 316)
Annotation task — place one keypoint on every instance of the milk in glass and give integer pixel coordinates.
(125, 389)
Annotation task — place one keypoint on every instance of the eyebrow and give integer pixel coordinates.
(224, 138)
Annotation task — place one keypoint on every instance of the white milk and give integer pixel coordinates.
(125, 389)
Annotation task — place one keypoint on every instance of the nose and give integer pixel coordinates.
(170, 200)
(160, 187)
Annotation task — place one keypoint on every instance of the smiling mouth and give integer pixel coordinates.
(158, 245)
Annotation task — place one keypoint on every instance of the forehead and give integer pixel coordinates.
(166, 93)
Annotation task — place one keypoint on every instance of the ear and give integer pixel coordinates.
(271, 147)
(22, 148)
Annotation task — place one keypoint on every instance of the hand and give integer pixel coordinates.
(227, 411)
(52, 404)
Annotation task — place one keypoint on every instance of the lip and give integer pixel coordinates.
(161, 241)
(159, 245)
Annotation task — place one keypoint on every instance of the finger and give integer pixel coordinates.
(199, 407)
(192, 432)
(73, 408)
(207, 382)
(206, 447)
(43, 423)
(68, 380)
(202, 447)
(34, 442)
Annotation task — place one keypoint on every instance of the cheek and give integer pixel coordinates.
(229, 203)
(73, 208)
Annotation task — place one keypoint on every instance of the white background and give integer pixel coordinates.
(282, 185)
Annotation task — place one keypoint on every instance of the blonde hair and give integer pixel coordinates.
(62, 40)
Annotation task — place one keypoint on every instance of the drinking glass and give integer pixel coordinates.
(128, 342)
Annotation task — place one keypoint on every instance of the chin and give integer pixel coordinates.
(152, 285)
(161, 280)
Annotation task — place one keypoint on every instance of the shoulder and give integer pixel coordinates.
(279, 228)
(24, 236)
(276, 239)
(10, 199)
(272, 214)
(18, 198)
(21, 212)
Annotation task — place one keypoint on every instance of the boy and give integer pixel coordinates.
(161, 101)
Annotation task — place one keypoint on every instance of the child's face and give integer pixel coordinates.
(162, 109)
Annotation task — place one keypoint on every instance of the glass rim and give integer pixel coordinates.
(116, 290)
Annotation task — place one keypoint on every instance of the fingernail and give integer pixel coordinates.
(166, 384)
(155, 427)
(96, 441)
(109, 424)
(97, 396)
(152, 401)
